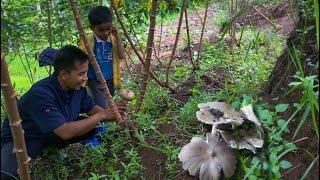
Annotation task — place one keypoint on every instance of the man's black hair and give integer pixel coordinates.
(99, 15)
(66, 58)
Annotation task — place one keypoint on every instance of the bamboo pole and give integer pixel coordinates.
(95, 64)
(184, 4)
(144, 79)
(10, 98)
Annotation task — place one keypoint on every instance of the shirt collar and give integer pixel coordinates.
(100, 40)
(57, 84)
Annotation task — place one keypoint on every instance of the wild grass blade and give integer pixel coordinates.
(309, 168)
(303, 119)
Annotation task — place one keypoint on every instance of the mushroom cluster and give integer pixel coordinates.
(239, 130)
(211, 157)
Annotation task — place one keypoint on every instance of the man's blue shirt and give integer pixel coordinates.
(103, 53)
(47, 106)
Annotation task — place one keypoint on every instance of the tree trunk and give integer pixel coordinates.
(10, 99)
(144, 80)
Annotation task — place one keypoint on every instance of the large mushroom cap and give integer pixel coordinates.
(126, 94)
(208, 158)
(218, 113)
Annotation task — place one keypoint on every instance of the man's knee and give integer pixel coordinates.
(8, 162)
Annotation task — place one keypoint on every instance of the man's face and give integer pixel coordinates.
(102, 30)
(77, 77)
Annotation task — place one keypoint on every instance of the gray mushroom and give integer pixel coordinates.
(208, 158)
(216, 112)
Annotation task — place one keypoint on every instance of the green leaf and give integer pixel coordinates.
(275, 169)
(264, 114)
(281, 107)
(265, 165)
(273, 157)
(294, 83)
(285, 164)
(282, 123)
(246, 100)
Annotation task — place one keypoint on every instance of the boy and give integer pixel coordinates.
(106, 44)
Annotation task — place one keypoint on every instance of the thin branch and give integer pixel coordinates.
(202, 32)
(184, 4)
(48, 2)
(262, 15)
(189, 42)
(128, 68)
(138, 54)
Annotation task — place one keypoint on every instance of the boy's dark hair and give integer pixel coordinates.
(99, 15)
(66, 58)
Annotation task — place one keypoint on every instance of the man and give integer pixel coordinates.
(50, 110)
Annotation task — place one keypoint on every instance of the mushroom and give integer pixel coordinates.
(215, 113)
(240, 131)
(126, 94)
(208, 158)
(247, 136)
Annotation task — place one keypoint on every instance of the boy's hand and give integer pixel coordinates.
(114, 31)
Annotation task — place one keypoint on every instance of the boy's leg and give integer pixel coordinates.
(97, 92)
(9, 164)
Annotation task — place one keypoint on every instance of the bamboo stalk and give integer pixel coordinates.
(10, 98)
(202, 32)
(184, 3)
(95, 64)
(189, 42)
(144, 79)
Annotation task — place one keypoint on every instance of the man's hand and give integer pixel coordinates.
(108, 115)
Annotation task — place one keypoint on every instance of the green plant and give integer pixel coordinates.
(132, 169)
(309, 99)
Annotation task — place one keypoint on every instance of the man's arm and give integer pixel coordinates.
(78, 128)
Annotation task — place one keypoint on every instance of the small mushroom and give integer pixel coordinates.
(242, 140)
(126, 94)
(216, 112)
(248, 112)
(208, 158)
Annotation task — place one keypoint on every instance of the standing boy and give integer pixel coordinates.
(106, 44)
